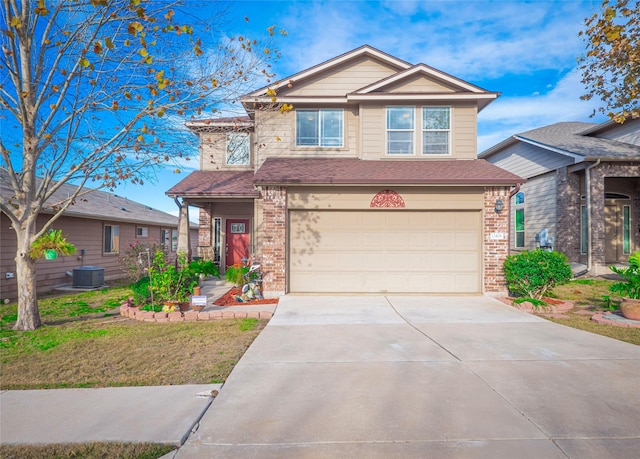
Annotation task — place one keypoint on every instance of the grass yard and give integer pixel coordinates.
(86, 451)
(591, 293)
(84, 343)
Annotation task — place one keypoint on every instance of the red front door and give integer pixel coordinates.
(237, 241)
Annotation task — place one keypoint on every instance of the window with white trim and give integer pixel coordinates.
(319, 128)
(436, 130)
(400, 130)
(142, 231)
(238, 149)
(111, 239)
(519, 220)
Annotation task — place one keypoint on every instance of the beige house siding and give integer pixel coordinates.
(529, 161)
(427, 198)
(463, 132)
(343, 79)
(540, 209)
(276, 136)
(213, 152)
(418, 84)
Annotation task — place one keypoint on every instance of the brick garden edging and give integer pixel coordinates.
(600, 319)
(134, 312)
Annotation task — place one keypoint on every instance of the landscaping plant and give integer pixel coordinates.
(134, 260)
(532, 274)
(235, 274)
(171, 282)
(51, 240)
(629, 287)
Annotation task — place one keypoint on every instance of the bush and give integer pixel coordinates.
(134, 260)
(141, 291)
(630, 286)
(534, 273)
(204, 268)
(235, 274)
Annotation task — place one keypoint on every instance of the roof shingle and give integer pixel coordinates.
(353, 171)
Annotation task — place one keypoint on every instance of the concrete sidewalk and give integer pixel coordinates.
(410, 376)
(162, 414)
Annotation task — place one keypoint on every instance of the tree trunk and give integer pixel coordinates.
(28, 313)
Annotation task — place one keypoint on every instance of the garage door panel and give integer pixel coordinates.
(385, 251)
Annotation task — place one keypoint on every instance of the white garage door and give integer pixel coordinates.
(385, 251)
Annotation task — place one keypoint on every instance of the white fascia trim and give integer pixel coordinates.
(443, 96)
(297, 100)
(331, 63)
(578, 158)
(421, 68)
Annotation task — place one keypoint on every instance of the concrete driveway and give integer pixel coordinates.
(413, 376)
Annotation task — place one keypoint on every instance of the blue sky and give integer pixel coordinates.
(525, 50)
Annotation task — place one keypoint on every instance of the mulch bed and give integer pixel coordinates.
(229, 299)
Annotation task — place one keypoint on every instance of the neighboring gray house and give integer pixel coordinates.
(583, 185)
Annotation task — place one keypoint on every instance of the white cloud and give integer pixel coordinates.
(512, 115)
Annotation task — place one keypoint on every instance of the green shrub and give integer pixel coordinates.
(141, 291)
(531, 274)
(630, 286)
(204, 268)
(235, 274)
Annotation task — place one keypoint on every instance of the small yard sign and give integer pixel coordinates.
(199, 300)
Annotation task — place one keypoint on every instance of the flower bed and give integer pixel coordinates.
(134, 312)
(230, 299)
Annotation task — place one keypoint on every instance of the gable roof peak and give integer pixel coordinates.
(364, 50)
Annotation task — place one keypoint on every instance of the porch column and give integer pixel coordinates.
(597, 221)
(184, 238)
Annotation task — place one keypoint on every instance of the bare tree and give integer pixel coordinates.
(93, 92)
(611, 66)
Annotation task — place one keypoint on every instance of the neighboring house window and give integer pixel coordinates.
(400, 130)
(111, 238)
(319, 128)
(165, 238)
(519, 220)
(174, 240)
(626, 230)
(436, 130)
(142, 231)
(238, 149)
(584, 233)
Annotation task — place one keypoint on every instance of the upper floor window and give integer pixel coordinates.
(238, 148)
(436, 127)
(111, 239)
(400, 130)
(319, 128)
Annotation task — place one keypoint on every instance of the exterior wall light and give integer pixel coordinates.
(499, 206)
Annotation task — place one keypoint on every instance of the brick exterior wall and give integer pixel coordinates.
(204, 228)
(568, 213)
(274, 241)
(495, 250)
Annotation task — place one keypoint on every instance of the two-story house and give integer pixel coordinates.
(370, 184)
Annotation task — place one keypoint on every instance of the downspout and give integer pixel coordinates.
(587, 186)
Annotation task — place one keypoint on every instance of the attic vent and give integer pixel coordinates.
(123, 209)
